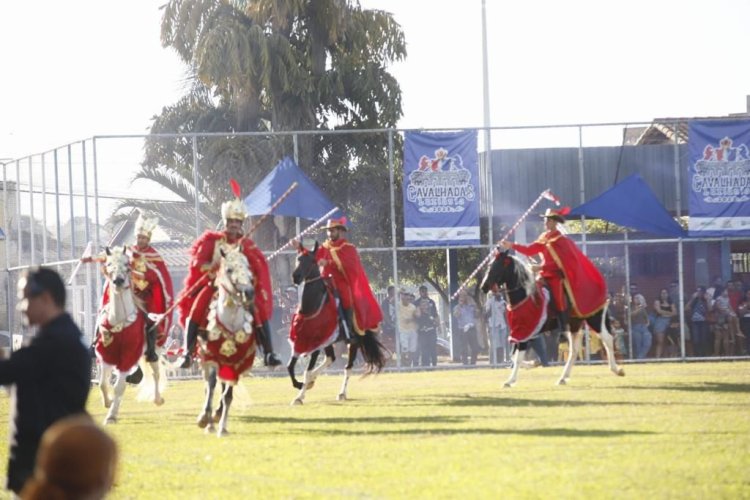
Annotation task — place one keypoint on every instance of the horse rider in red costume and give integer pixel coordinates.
(205, 257)
(339, 261)
(151, 283)
(566, 270)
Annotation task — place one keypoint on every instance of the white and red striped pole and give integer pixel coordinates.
(545, 195)
(303, 233)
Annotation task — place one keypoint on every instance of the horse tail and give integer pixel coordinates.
(374, 353)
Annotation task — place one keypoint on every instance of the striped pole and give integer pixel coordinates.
(545, 195)
(303, 233)
(269, 212)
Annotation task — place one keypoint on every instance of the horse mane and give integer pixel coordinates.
(523, 275)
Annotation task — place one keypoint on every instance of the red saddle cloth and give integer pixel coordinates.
(310, 332)
(123, 346)
(527, 318)
(233, 353)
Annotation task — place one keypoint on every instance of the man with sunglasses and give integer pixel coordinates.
(50, 378)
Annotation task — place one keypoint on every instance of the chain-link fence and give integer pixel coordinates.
(56, 202)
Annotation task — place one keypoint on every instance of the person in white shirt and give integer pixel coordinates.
(494, 310)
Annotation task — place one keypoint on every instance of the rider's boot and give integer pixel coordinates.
(263, 334)
(190, 341)
(349, 319)
(151, 344)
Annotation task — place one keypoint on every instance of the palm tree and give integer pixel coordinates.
(276, 65)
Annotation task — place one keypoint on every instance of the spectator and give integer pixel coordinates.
(388, 306)
(76, 460)
(734, 292)
(407, 328)
(50, 377)
(697, 308)
(428, 325)
(743, 311)
(494, 310)
(664, 310)
(620, 341)
(639, 324)
(722, 315)
(466, 315)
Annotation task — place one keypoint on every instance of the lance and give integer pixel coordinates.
(545, 195)
(303, 233)
(269, 212)
(86, 254)
(158, 318)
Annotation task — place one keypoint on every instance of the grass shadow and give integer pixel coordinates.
(255, 419)
(554, 432)
(702, 387)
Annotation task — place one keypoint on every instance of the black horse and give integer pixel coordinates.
(316, 296)
(518, 283)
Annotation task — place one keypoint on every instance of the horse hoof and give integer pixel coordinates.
(341, 397)
(562, 382)
(159, 401)
(107, 404)
(310, 385)
(203, 420)
(217, 417)
(110, 420)
(210, 429)
(222, 433)
(508, 384)
(298, 385)
(620, 372)
(296, 402)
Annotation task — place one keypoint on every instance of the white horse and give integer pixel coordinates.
(227, 345)
(121, 331)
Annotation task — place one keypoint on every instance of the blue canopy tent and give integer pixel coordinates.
(307, 201)
(631, 203)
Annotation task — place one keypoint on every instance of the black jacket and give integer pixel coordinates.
(51, 379)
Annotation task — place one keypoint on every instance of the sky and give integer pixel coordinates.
(79, 68)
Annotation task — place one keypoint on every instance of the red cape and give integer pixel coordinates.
(583, 281)
(527, 318)
(350, 280)
(315, 331)
(160, 284)
(202, 253)
(123, 348)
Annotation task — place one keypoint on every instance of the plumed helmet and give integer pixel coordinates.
(234, 209)
(145, 226)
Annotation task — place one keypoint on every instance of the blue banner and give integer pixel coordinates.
(441, 189)
(719, 177)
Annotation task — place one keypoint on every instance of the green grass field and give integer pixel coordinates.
(664, 431)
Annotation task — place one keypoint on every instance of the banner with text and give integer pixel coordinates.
(719, 176)
(441, 189)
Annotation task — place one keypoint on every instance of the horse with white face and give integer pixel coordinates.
(120, 334)
(227, 345)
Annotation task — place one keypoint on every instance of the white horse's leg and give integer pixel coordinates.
(609, 346)
(317, 371)
(120, 384)
(106, 375)
(306, 382)
(573, 349)
(515, 363)
(155, 372)
(344, 385)
(226, 399)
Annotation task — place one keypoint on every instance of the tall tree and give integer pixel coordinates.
(279, 65)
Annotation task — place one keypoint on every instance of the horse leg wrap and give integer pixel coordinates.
(151, 344)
